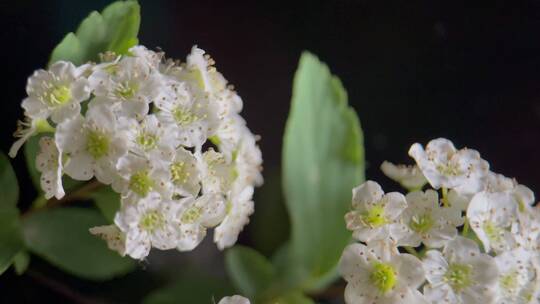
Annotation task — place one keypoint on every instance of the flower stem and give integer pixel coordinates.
(445, 197)
(411, 250)
(82, 193)
(465, 230)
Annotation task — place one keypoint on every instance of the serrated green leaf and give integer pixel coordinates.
(323, 159)
(11, 241)
(115, 29)
(249, 270)
(192, 289)
(8, 183)
(21, 262)
(107, 201)
(61, 237)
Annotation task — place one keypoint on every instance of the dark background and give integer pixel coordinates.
(414, 70)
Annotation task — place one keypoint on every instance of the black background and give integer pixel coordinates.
(414, 70)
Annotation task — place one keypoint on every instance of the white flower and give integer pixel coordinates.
(128, 85)
(150, 58)
(49, 163)
(526, 231)
(238, 209)
(27, 129)
(150, 137)
(522, 194)
(519, 277)
(199, 69)
(446, 167)
(499, 183)
(93, 145)
(194, 216)
(427, 222)
(185, 176)
(457, 200)
(193, 114)
(56, 93)
(375, 276)
(409, 177)
(234, 300)
(217, 172)
(116, 239)
(140, 176)
(148, 223)
(491, 216)
(375, 215)
(247, 159)
(461, 274)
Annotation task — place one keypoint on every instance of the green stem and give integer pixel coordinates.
(465, 228)
(82, 193)
(411, 250)
(445, 197)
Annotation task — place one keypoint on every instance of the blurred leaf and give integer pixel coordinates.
(21, 262)
(61, 237)
(293, 298)
(249, 270)
(8, 183)
(115, 29)
(270, 212)
(107, 201)
(323, 159)
(11, 241)
(10, 235)
(192, 289)
(31, 149)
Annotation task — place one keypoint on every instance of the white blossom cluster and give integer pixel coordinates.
(166, 135)
(498, 261)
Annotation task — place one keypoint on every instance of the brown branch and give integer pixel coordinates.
(62, 289)
(79, 194)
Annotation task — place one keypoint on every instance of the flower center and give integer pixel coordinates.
(191, 215)
(126, 90)
(59, 95)
(421, 223)
(97, 144)
(147, 141)
(449, 169)
(140, 183)
(375, 217)
(152, 220)
(383, 277)
(509, 282)
(458, 276)
(493, 232)
(183, 117)
(179, 173)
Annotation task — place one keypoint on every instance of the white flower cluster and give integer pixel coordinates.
(167, 136)
(234, 300)
(444, 263)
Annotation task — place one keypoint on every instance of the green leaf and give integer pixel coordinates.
(323, 159)
(21, 262)
(31, 149)
(107, 201)
(10, 236)
(250, 271)
(191, 289)
(115, 29)
(61, 237)
(8, 183)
